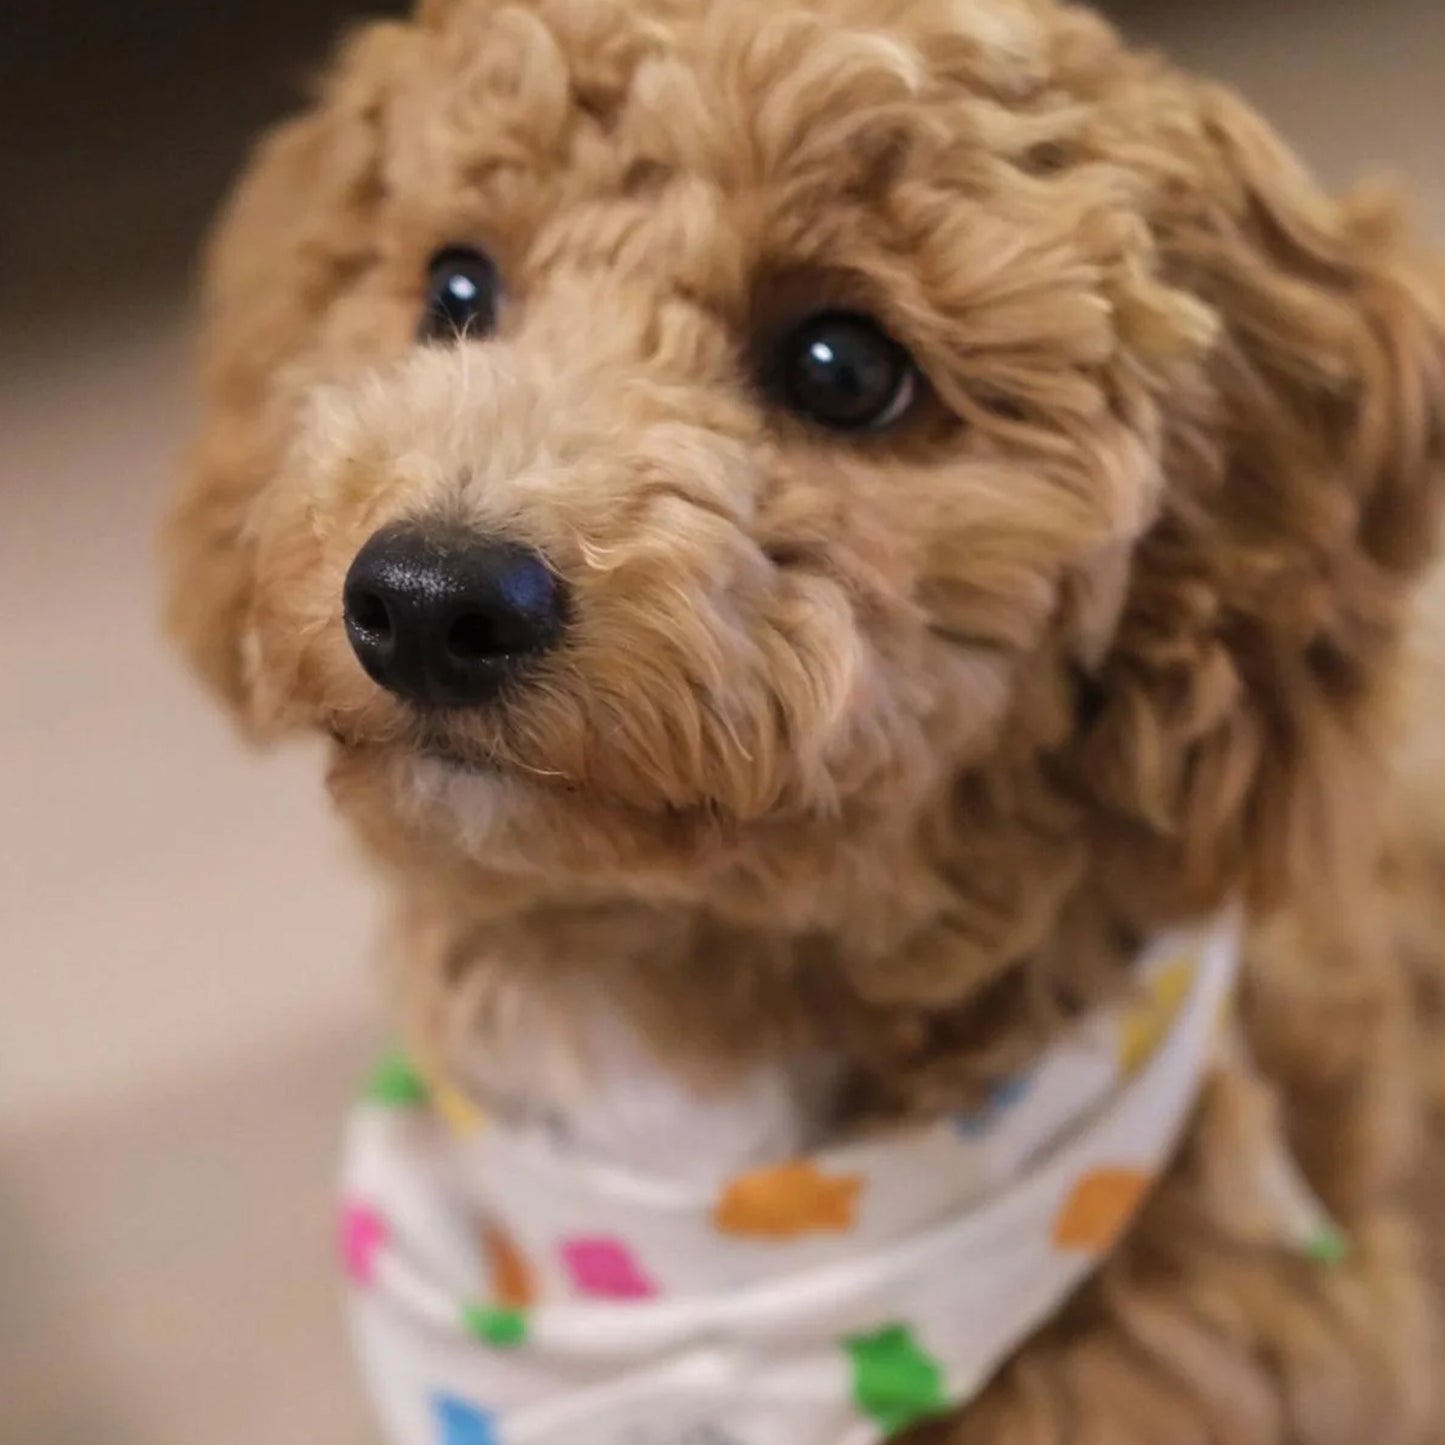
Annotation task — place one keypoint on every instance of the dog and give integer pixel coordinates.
(857, 559)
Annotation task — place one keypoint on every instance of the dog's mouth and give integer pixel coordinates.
(453, 763)
(430, 748)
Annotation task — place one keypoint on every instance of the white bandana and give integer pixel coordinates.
(513, 1287)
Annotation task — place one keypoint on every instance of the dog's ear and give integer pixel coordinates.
(1236, 727)
(296, 229)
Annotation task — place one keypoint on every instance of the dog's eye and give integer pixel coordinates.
(463, 296)
(843, 371)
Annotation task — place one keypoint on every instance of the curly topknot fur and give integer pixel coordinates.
(892, 747)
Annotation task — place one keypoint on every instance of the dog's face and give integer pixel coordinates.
(657, 440)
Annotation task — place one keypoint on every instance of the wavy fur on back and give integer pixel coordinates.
(891, 748)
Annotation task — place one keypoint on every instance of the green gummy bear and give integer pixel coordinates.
(895, 1382)
(492, 1325)
(1328, 1246)
(396, 1084)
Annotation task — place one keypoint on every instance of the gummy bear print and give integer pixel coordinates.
(1098, 1208)
(513, 1286)
(1001, 1098)
(1145, 1023)
(395, 1084)
(458, 1112)
(1328, 1245)
(459, 1423)
(788, 1201)
(896, 1383)
(606, 1268)
(495, 1325)
(363, 1233)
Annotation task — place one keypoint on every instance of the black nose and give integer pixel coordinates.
(443, 618)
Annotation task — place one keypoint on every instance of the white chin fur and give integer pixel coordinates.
(477, 801)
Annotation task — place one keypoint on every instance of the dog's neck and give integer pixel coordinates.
(530, 1008)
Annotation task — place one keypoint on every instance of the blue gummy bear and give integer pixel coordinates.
(463, 1424)
(1002, 1097)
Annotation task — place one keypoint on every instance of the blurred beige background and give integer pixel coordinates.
(183, 941)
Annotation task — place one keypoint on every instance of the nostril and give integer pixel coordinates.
(473, 637)
(442, 618)
(370, 614)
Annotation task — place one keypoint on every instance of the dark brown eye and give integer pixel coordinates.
(844, 372)
(463, 296)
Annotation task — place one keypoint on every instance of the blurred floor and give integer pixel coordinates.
(184, 954)
(184, 944)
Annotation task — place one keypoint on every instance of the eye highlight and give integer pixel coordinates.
(463, 296)
(841, 370)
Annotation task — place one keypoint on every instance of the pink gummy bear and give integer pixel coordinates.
(363, 1232)
(606, 1268)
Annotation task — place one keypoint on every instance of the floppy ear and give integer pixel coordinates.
(1241, 731)
(294, 232)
